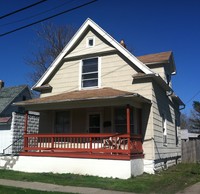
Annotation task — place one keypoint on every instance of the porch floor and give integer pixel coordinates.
(54, 153)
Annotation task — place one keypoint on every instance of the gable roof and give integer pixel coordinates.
(159, 58)
(106, 36)
(7, 95)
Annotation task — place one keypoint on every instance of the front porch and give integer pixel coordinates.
(95, 124)
(99, 146)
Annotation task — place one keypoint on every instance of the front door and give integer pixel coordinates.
(94, 123)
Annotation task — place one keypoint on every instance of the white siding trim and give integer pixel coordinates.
(80, 74)
(99, 72)
(105, 35)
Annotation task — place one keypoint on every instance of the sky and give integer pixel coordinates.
(146, 26)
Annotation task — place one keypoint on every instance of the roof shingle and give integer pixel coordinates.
(8, 94)
(103, 93)
(156, 58)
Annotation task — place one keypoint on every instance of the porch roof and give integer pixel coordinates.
(84, 95)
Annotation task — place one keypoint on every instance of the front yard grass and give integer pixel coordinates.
(14, 190)
(170, 181)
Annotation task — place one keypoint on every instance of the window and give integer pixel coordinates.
(176, 133)
(90, 41)
(90, 74)
(62, 122)
(120, 120)
(94, 123)
(164, 127)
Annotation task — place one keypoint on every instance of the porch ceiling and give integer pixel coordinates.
(85, 97)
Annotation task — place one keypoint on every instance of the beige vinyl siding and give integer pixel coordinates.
(83, 49)
(116, 73)
(163, 70)
(66, 78)
(163, 105)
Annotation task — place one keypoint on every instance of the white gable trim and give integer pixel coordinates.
(105, 35)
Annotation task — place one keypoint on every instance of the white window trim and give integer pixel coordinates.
(177, 133)
(165, 127)
(87, 41)
(80, 74)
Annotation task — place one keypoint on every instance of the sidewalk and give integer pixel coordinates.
(194, 189)
(58, 188)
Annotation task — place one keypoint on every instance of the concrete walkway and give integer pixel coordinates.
(194, 189)
(58, 188)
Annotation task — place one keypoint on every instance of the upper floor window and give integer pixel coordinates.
(164, 127)
(90, 42)
(90, 73)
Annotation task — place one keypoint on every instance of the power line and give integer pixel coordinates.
(193, 97)
(16, 11)
(41, 13)
(20, 28)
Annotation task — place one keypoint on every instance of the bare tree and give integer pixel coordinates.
(51, 39)
(195, 117)
(185, 122)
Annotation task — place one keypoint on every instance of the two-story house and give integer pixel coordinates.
(104, 111)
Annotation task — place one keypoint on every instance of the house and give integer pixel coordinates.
(9, 95)
(186, 135)
(104, 111)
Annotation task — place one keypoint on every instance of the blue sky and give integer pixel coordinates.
(146, 26)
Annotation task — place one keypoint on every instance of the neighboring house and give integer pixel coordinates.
(104, 111)
(186, 135)
(9, 95)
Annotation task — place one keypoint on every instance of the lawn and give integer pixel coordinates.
(13, 190)
(170, 181)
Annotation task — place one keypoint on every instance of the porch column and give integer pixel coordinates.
(25, 130)
(128, 119)
(128, 128)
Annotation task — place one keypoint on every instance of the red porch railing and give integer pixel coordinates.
(107, 146)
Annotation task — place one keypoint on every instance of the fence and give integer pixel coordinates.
(191, 151)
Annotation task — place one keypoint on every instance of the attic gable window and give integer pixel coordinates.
(90, 73)
(90, 42)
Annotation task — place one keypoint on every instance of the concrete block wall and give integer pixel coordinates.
(17, 130)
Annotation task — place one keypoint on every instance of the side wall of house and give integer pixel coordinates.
(165, 154)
